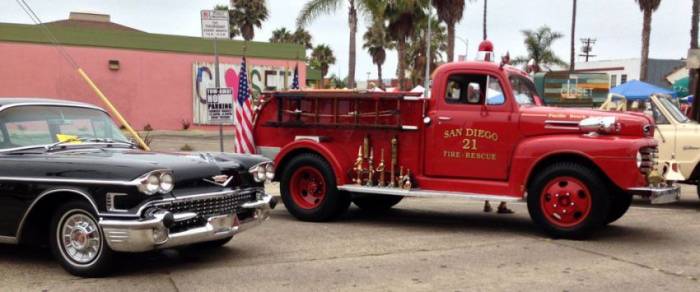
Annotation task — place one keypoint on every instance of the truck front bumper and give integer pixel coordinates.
(658, 195)
(149, 234)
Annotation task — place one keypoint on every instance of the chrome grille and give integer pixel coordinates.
(649, 159)
(206, 206)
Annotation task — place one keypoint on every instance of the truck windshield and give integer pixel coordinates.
(39, 125)
(673, 109)
(523, 90)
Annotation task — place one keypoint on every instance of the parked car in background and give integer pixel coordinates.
(70, 179)
(678, 136)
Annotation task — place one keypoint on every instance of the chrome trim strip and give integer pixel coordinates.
(8, 239)
(134, 182)
(46, 193)
(110, 199)
(409, 128)
(316, 139)
(69, 180)
(425, 193)
(57, 103)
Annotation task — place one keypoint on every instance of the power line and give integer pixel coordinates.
(35, 18)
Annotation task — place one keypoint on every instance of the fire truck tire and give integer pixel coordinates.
(376, 203)
(619, 204)
(309, 191)
(568, 200)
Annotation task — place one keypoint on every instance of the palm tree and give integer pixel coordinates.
(450, 11)
(486, 2)
(321, 58)
(647, 7)
(539, 48)
(572, 58)
(315, 8)
(376, 43)
(302, 37)
(248, 14)
(402, 16)
(416, 48)
(281, 35)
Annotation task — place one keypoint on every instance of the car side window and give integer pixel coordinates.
(473, 89)
(524, 94)
(29, 132)
(494, 92)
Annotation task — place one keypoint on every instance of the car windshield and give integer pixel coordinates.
(523, 90)
(40, 125)
(673, 109)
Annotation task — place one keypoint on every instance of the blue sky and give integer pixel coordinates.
(615, 23)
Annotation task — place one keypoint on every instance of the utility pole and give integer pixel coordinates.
(587, 48)
(572, 60)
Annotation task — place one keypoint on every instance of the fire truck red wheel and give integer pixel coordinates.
(309, 191)
(568, 200)
(619, 204)
(376, 203)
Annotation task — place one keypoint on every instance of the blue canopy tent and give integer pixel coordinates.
(638, 90)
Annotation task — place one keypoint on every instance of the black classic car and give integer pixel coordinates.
(69, 178)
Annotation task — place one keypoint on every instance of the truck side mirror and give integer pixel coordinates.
(473, 93)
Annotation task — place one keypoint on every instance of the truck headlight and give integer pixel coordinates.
(640, 159)
(262, 172)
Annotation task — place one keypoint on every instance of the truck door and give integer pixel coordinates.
(471, 134)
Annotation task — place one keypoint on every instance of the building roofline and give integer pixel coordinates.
(137, 40)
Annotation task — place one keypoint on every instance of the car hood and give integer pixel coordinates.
(125, 165)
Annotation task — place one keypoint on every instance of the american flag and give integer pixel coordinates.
(243, 115)
(295, 80)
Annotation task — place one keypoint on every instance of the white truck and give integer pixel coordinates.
(678, 136)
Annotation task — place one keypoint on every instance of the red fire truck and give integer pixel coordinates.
(479, 136)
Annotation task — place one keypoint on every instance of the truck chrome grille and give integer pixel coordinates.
(207, 206)
(649, 159)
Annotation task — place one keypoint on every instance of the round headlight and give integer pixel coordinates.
(166, 183)
(639, 159)
(260, 173)
(269, 171)
(150, 185)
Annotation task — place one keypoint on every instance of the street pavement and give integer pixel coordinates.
(421, 245)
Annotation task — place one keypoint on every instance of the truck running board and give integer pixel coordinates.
(425, 193)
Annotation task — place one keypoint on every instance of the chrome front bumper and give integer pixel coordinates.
(659, 195)
(149, 234)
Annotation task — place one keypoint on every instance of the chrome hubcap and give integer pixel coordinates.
(80, 238)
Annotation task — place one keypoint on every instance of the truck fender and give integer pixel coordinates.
(531, 155)
(308, 146)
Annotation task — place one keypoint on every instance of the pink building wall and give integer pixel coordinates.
(149, 88)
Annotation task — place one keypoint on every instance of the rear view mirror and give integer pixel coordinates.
(473, 92)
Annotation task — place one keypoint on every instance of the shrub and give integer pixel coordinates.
(186, 147)
(147, 128)
(185, 124)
